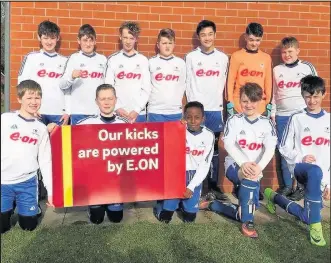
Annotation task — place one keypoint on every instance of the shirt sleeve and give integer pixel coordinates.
(230, 144)
(25, 70)
(287, 146)
(66, 80)
(232, 74)
(274, 93)
(45, 162)
(269, 143)
(188, 75)
(145, 88)
(268, 81)
(203, 167)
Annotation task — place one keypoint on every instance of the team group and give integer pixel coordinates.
(265, 108)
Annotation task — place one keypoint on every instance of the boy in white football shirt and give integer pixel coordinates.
(287, 99)
(84, 72)
(106, 100)
(25, 148)
(306, 148)
(168, 75)
(127, 71)
(199, 153)
(250, 140)
(46, 68)
(206, 69)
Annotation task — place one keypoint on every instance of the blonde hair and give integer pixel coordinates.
(28, 86)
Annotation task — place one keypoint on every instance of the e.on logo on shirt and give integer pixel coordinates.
(194, 152)
(43, 73)
(129, 75)
(251, 146)
(92, 75)
(169, 77)
(207, 73)
(282, 84)
(308, 140)
(253, 73)
(16, 136)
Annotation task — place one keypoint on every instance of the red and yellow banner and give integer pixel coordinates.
(102, 164)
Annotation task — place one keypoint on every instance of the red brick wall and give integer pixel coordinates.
(308, 21)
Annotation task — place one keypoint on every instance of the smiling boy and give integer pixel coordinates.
(127, 71)
(250, 140)
(84, 72)
(305, 146)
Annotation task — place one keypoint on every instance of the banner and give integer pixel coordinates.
(115, 163)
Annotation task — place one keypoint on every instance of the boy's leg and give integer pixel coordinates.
(311, 176)
(191, 205)
(7, 201)
(286, 190)
(165, 209)
(214, 122)
(115, 212)
(96, 213)
(74, 118)
(27, 203)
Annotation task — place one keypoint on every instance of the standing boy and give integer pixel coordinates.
(306, 147)
(84, 72)
(206, 69)
(199, 139)
(287, 100)
(25, 148)
(250, 65)
(46, 68)
(250, 140)
(127, 71)
(168, 75)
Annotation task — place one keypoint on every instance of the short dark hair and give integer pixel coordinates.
(48, 28)
(205, 23)
(252, 90)
(133, 27)
(312, 84)
(194, 104)
(104, 87)
(87, 30)
(168, 33)
(28, 85)
(254, 29)
(288, 42)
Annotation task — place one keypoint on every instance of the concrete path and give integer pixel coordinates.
(143, 212)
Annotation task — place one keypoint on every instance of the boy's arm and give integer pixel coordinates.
(287, 145)
(232, 74)
(188, 75)
(25, 70)
(269, 143)
(110, 73)
(45, 162)
(274, 93)
(230, 145)
(67, 80)
(203, 167)
(268, 81)
(145, 88)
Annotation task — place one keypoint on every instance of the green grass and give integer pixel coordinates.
(143, 242)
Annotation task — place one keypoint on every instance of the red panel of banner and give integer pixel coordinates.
(102, 164)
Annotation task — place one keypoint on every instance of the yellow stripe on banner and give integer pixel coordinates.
(67, 166)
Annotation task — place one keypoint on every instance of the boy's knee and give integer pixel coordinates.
(97, 214)
(189, 217)
(166, 216)
(5, 221)
(315, 172)
(28, 223)
(115, 216)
